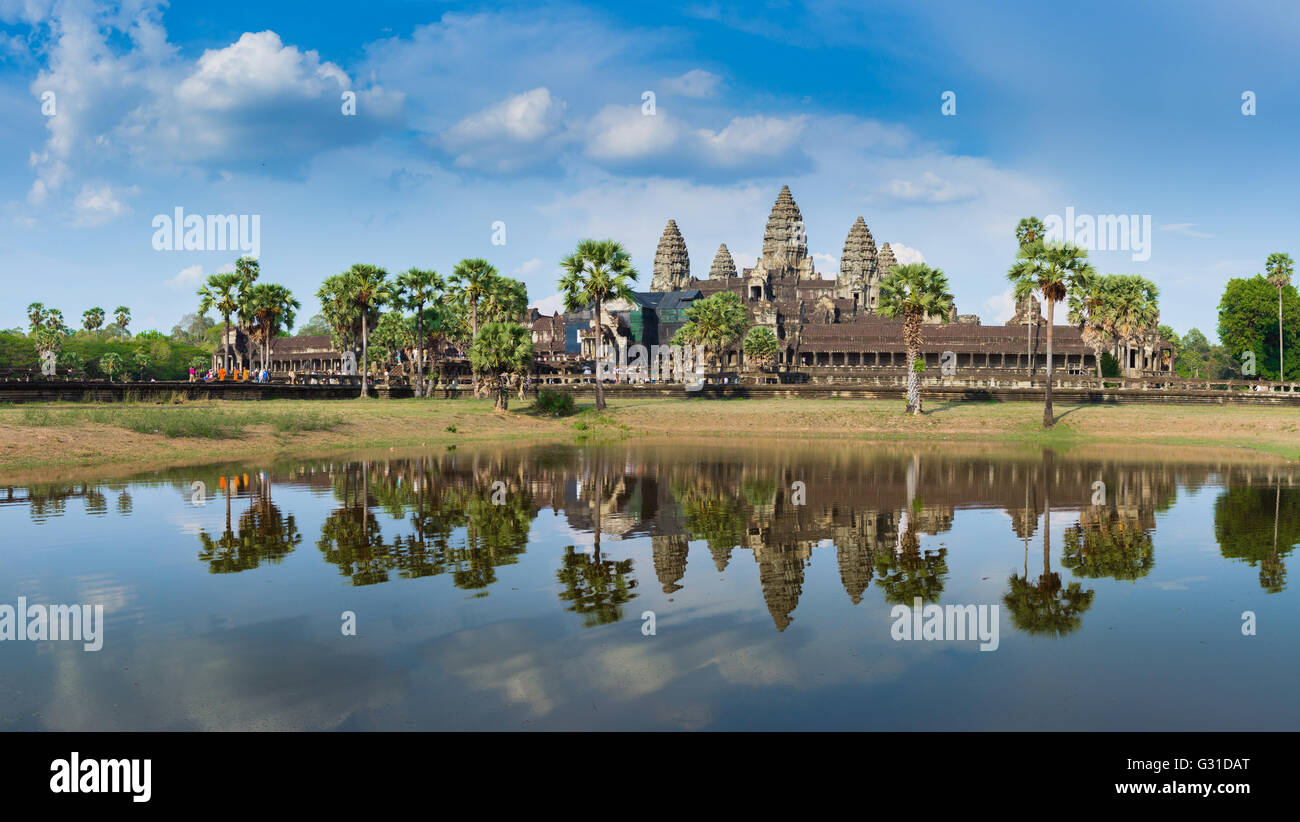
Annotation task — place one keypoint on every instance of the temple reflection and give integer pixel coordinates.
(888, 515)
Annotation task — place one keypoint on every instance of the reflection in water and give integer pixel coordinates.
(1260, 526)
(511, 582)
(467, 515)
(263, 533)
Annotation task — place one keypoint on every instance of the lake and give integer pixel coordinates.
(695, 585)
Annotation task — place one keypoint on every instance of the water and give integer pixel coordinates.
(507, 588)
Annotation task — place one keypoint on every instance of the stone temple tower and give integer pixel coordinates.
(723, 265)
(858, 278)
(885, 261)
(672, 268)
(785, 248)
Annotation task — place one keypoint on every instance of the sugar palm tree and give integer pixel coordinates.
(247, 269)
(122, 317)
(1133, 309)
(418, 288)
(221, 293)
(272, 308)
(912, 292)
(715, 322)
(473, 279)
(598, 270)
(35, 315)
(1279, 269)
(92, 318)
(110, 363)
(1092, 310)
(1050, 269)
(1029, 230)
(501, 350)
(367, 287)
(761, 346)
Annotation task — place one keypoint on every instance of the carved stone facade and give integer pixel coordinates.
(723, 265)
(858, 280)
(672, 267)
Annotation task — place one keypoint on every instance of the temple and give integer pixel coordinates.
(826, 326)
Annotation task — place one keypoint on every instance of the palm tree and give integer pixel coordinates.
(92, 318)
(35, 314)
(247, 269)
(122, 317)
(715, 322)
(474, 279)
(271, 307)
(1029, 230)
(761, 346)
(109, 363)
(505, 302)
(143, 362)
(597, 271)
(1092, 310)
(501, 350)
(419, 288)
(367, 288)
(1050, 269)
(913, 292)
(1134, 309)
(1279, 268)
(221, 293)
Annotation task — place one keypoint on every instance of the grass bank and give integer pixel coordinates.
(134, 435)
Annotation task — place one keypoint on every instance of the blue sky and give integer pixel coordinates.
(531, 115)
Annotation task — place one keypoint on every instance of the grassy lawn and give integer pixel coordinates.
(70, 435)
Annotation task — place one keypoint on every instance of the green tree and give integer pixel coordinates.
(1246, 313)
(419, 288)
(1092, 311)
(221, 294)
(110, 364)
(714, 322)
(1050, 269)
(271, 308)
(92, 318)
(367, 287)
(911, 293)
(597, 271)
(761, 346)
(501, 350)
(143, 362)
(1278, 270)
(1029, 231)
(473, 279)
(122, 317)
(1134, 311)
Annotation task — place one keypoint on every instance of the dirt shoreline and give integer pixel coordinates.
(51, 452)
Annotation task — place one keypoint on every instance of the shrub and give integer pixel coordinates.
(555, 403)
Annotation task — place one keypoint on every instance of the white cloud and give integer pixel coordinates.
(1186, 229)
(527, 267)
(930, 188)
(663, 144)
(1002, 305)
(96, 205)
(904, 255)
(694, 83)
(550, 305)
(519, 131)
(192, 276)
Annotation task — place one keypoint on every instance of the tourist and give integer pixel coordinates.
(194, 375)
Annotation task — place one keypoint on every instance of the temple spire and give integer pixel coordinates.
(723, 265)
(858, 278)
(672, 266)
